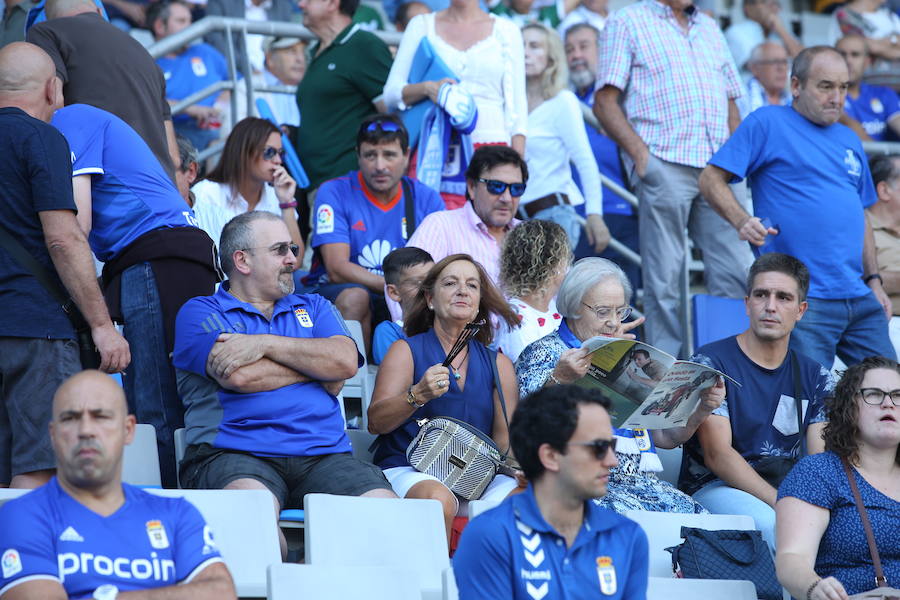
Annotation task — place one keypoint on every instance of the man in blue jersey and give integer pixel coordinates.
(728, 465)
(362, 216)
(88, 535)
(810, 178)
(155, 257)
(875, 108)
(552, 541)
(278, 359)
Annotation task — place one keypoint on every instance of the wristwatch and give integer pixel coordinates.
(107, 591)
(411, 398)
(869, 278)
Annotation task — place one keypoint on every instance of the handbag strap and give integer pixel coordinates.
(712, 538)
(880, 579)
(499, 389)
(798, 402)
(30, 263)
(409, 201)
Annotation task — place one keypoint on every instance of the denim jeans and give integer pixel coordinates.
(720, 499)
(853, 328)
(565, 216)
(150, 378)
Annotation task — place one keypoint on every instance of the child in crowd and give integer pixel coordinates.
(404, 270)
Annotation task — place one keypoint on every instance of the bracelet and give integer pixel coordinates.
(291, 204)
(554, 379)
(411, 399)
(869, 278)
(809, 591)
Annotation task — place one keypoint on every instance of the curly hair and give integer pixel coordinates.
(532, 254)
(842, 430)
(421, 318)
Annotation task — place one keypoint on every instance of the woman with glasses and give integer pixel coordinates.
(250, 176)
(412, 383)
(593, 300)
(557, 139)
(822, 551)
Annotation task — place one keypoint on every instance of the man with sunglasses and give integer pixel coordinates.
(730, 464)
(361, 217)
(277, 359)
(552, 541)
(495, 180)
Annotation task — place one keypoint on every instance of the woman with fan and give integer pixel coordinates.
(412, 382)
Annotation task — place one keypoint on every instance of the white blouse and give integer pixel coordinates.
(533, 325)
(556, 136)
(214, 205)
(492, 71)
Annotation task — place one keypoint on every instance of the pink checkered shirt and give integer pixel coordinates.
(676, 84)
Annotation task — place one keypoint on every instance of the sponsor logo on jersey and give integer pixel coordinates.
(372, 256)
(70, 535)
(209, 544)
(854, 167)
(156, 531)
(124, 568)
(11, 563)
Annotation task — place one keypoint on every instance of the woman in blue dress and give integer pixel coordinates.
(412, 384)
(822, 551)
(593, 299)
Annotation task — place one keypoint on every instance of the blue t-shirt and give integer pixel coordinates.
(843, 552)
(386, 333)
(347, 213)
(762, 411)
(511, 552)
(198, 67)
(34, 176)
(873, 108)
(149, 542)
(301, 419)
(131, 193)
(813, 182)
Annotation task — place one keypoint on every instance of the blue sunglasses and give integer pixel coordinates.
(498, 187)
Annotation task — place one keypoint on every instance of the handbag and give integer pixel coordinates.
(461, 456)
(727, 554)
(775, 468)
(87, 350)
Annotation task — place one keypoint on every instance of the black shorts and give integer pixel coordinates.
(289, 478)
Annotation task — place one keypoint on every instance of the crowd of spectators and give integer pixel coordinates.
(452, 180)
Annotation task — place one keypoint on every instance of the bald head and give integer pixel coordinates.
(24, 68)
(56, 9)
(94, 385)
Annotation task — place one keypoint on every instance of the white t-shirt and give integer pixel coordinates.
(534, 325)
(214, 205)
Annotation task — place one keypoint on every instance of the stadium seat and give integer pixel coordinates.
(140, 463)
(450, 590)
(715, 318)
(241, 521)
(476, 507)
(671, 462)
(815, 29)
(360, 385)
(10, 493)
(664, 530)
(180, 447)
(353, 531)
(667, 588)
(289, 582)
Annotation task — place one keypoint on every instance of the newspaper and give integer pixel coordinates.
(648, 388)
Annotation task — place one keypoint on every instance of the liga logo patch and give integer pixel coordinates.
(11, 563)
(325, 219)
(157, 534)
(303, 317)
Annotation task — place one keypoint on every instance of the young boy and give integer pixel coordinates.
(404, 269)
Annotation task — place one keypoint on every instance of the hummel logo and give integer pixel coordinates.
(70, 535)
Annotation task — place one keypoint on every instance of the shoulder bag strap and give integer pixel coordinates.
(880, 579)
(798, 401)
(28, 262)
(409, 200)
(499, 388)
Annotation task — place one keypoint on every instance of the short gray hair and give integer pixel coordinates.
(584, 275)
(803, 61)
(238, 235)
(187, 153)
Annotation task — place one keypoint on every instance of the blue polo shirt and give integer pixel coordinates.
(198, 67)
(35, 176)
(512, 552)
(149, 542)
(813, 182)
(131, 193)
(873, 108)
(301, 419)
(347, 213)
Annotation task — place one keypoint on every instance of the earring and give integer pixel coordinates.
(430, 307)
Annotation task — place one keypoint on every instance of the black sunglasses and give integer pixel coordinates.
(279, 249)
(498, 187)
(270, 152)
(600, 447)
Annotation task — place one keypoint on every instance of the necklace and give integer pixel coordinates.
(455, 370)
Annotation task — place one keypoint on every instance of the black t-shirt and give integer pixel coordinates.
(35, 176)
(103, 66)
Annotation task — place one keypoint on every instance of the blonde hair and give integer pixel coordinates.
(556, 76)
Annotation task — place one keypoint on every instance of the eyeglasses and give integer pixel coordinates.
(381, 125)
(604, 313)
(497, 187)
(270, 152)
(279, 249)
(599, 447)
(876, 396)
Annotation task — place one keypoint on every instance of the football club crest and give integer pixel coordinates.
(303, 317)
(11, 563)
(606, 572)
(876, 105)
(157, 534)
(198, 66)
(642, 438)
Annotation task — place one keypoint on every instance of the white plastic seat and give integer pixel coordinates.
(289, 582)
(360, 385)
(140, 462)
(353, 531)
(668, 588)
(476, 507)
